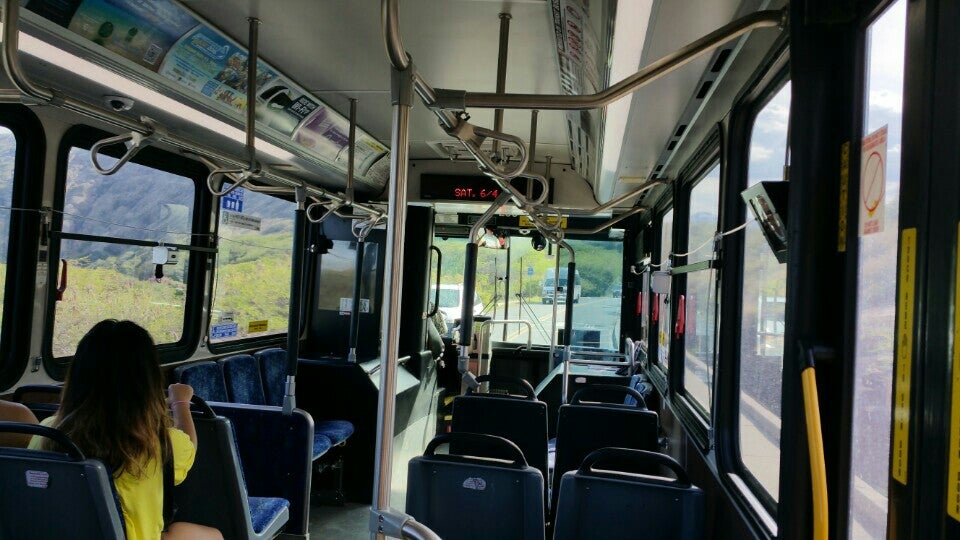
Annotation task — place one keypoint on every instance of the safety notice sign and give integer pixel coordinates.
(873, 181)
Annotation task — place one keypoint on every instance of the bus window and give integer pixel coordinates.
(596, 316)
(108, 277)
(876, 288)
(251, 296)
(662, 309)
(763, 307)
(8, 148)
(700, 300)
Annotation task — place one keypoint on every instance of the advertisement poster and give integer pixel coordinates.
(282, 108)
(205, 61)
(327, 135)
(141, 31)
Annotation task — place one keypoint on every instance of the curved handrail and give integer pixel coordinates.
(414, 530)
(436, 299)
(334, 206)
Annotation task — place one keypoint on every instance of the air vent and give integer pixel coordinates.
(704, 89)
(671, 146)
(721, 60)
(680, 130)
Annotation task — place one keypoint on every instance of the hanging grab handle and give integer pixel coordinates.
(681, 316)
(240, 177)
(133, 141)
(472, 138)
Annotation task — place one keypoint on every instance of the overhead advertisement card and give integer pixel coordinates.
(209, 63)
(873, 181)
(141, 31)
(327, 134)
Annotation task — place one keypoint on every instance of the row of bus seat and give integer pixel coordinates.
(256, 379)
(215, 493)
(598, 417)
(488, 490)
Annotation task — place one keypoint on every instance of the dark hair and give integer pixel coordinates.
(113, 404)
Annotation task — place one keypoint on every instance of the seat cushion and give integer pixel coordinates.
(321, 444)
(264, 510)
(337, 430)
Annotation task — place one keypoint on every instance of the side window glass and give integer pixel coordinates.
(700, 299)
(876, 284)
(763, 306)
(251, 294)
(662, 300)
(8, 149)
(109, 275)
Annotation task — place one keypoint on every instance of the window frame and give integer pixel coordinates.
(255, 342)
(24, 238)
(83, 137)
(659, 374)
(734, 473)
(695, 417)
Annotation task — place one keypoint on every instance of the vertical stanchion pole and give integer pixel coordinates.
(501, 74)
(393, 281)
(296, 293)
(358, 269)
(253, 42)
(553, 319)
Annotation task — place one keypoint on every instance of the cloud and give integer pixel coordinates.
(760, 153)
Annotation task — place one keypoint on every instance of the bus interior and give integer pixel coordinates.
(341, 222)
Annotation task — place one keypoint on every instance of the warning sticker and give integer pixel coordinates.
(525, 221)
(873, 181)
(953, 458)
(257, 326)
(38, 479)
(904, 367)
(241, 221)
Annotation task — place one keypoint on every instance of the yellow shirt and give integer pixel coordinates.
(141, 498)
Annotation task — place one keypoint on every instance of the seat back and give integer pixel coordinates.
(583, 428)
(596, 502)
(206, 378)
(522, 421)
(276, 453)
(468, 497)
(241, 373)
(36, 486)
(273, 371)
(214, 493)
(642, 385)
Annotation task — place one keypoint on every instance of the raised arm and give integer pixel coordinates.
(179, 395)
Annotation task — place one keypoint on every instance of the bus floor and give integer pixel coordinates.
(352, 521)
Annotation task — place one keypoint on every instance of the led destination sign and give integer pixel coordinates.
(440, 187)
(458, 188)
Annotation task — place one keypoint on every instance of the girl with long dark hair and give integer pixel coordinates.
(114, 408)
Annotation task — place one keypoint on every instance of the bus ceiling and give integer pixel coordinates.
(636, 140)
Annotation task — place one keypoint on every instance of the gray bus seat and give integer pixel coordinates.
(521, 420)
(584, 427)
(215, 491)
(596, 502)
(474, 497)
(36, 486)
(206, 378)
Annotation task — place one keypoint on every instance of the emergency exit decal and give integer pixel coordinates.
(873, 181)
